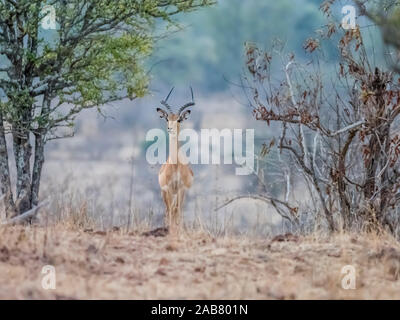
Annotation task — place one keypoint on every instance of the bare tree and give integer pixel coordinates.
(341, 133)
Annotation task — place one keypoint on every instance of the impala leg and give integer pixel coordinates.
(176, 211)
(173, 214)
(167, 200)
(180, 207)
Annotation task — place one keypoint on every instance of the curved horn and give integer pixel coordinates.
(189, 104)
(164, 102)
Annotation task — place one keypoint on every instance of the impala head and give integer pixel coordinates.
(174, 119)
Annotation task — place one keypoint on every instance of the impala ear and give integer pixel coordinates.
(162, 113)
(184, 116)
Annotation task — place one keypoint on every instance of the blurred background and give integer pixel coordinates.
(105, 164)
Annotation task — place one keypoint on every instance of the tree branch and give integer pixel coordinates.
(263, 198)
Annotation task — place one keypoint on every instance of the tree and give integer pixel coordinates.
(339, 133)
(93, 57)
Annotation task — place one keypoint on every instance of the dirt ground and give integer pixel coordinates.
(115, 265)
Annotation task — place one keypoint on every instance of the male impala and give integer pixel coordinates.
(175, 175)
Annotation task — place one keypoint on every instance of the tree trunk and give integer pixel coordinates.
(5, 182)
(371, 165)
(386, 183)
(22, 152)
(345, 206)
(378, 184)
(37, 167)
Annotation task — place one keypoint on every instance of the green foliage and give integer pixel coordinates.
(96, 55)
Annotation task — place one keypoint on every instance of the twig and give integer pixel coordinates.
(303, 142)
(269, 200)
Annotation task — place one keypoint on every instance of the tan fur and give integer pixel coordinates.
(174, 179)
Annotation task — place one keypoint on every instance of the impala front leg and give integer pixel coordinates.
(181, 200)
(167, 200)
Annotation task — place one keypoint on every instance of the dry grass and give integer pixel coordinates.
(118, 265)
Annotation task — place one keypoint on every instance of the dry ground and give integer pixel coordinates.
(117, 265)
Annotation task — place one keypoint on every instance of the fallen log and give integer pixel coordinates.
(26, 215)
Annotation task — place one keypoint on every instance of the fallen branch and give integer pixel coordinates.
(269, 200)
(26, 215)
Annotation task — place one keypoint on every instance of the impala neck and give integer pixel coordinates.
(174, 143)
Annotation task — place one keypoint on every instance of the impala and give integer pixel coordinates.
(175, 176)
